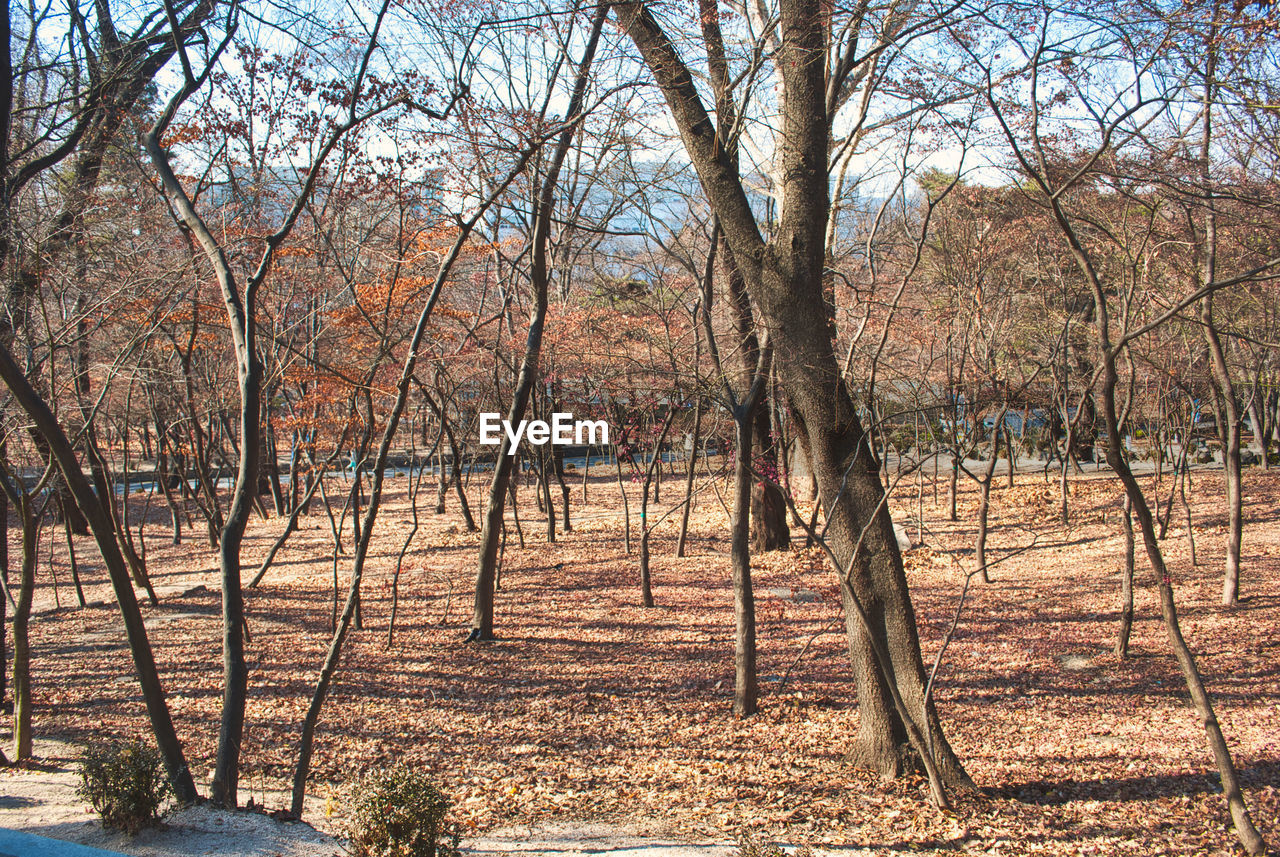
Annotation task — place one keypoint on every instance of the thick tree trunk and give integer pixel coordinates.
(785, 278)
(235, 670)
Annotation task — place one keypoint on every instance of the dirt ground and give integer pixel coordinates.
(591, 711)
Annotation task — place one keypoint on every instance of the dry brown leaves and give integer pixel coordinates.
(591, 707)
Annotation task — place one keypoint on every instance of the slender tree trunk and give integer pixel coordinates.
(655, 462)
(544, 490)
(1064, 489)
(22, 738)
(1183, 480)
(1228, 412)
(690, 466)
(1012, 453)
(1126, 582)
(746, 689)
(75, 565)
(4, 578)
(1245, 830)
(626, 507)
(117, 570)
(953, 485)
(482, 615)
(984, 505)
(271, 466)
(557, 469)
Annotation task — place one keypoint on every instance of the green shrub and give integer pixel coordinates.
(126, 784)
(401, 813)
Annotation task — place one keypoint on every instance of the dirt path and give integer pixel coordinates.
(43, 801)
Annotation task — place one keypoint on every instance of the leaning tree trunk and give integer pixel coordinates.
(1245, 830)
(117, 570)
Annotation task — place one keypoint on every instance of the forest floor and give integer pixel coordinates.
(591, 710)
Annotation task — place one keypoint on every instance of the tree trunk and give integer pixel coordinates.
(557, 469)
(1126, 582)
(1228, 412)
(626, 506)
(655, 463)
(4, 578)
(271, 462)
(745, 688)
(1245, 830)
(22, 738)
(482, 614)
(785, 279)
(691, 461)
(117, 570)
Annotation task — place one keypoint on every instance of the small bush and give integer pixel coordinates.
(748, 847)
(401, 813)
(126, 783)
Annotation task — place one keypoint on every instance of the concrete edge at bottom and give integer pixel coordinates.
(15, 843)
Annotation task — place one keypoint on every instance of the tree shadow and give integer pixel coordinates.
(1045, 792)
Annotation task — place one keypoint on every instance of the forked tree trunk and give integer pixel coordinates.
(784, 277)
